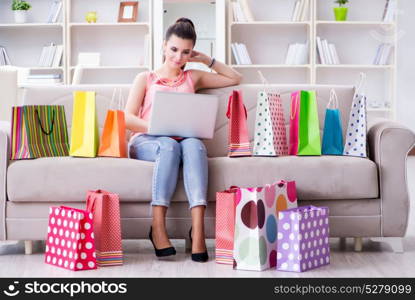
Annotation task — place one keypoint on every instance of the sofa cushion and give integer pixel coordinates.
(317, 178)
(67, 179)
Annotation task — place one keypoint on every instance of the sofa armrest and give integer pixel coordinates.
(389, 144)
(4, 161)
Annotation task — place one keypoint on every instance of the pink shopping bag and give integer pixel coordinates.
(238, 135)
(105, 208)
(70, 241)
(294, 123)
(225, 225)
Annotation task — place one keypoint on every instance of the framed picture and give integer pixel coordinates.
(128, 11)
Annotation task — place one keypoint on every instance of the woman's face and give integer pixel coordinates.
(177, 51)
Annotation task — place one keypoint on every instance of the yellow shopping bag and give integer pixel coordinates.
(84, 133)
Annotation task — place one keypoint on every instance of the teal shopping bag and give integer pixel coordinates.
(332, 134)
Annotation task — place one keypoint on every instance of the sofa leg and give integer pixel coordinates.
(396, 243)
(28, 247)
(188, 245)
(358, 244)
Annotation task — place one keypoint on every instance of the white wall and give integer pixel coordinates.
(406, 64)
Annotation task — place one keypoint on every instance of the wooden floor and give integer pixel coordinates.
(376, 260)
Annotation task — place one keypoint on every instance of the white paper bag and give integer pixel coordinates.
(355, 144)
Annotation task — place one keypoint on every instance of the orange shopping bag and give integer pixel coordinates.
(113, 142)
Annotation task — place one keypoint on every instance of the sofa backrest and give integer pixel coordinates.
(218, 146)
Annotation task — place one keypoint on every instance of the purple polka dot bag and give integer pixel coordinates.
(303, 238)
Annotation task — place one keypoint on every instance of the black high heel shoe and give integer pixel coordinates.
(161, 252)
(198, 257)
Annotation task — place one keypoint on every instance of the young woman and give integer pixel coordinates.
(169, 152)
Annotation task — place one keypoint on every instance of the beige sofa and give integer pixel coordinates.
(366, 197)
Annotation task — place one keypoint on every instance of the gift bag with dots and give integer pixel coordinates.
(355, 142)
(70, 242)
(303, 238)
(270, 135)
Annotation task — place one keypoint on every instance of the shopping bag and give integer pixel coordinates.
(255, 239)
(105, 208)
(38, 131)
(70, 240)
(270, 135)
(113, 140)
(309, 127)
(84, 133)
(294, 123)
(225, 225)
(303, 238)
(332, 134)
(238, 135)
(355, 144)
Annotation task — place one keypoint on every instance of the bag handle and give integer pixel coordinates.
(361, 84)
(296, 105)
(119, 103)
(266, 86)
(40, 122)
(333, 100)
(228, 112)
(72, 208)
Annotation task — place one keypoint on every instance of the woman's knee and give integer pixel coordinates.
(193, 144)
(168, 144)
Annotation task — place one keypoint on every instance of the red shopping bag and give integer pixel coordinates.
(105, 207)
(238, 135)
(225, 225)
(70, 241)
(294, 123)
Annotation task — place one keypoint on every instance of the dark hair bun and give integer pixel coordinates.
(186, 20)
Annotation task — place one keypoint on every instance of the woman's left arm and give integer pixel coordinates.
(224, 76)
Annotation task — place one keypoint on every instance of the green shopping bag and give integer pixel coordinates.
(309, 132)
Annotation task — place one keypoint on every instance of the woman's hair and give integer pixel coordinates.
(183, 28)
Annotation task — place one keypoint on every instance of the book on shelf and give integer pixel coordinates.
(54, 11)
(391, 7)
(383, 54)
(297, 54)
(4, 58)
(327, 52)
(241, 11)
(333, 54)
(240, 53)
(44, 78)
(51, 56)
(301, 11)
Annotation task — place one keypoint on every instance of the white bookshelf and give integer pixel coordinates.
(24, 42)
(267, 39)
(121, 45)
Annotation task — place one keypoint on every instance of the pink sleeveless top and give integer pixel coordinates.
(184, 84)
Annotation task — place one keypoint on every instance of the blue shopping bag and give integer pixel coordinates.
(332, 134)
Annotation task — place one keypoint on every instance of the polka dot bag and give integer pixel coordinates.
(255, 233)
(70, 241)
(303, 238)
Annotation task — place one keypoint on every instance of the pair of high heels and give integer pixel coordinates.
(169, 251)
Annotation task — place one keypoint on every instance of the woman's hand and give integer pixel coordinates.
(199, 57)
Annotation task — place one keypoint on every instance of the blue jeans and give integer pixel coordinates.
(167, 154)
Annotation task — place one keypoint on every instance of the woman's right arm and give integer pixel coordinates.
(134, 102)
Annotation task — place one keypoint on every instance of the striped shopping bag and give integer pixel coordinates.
(238, 135)
(105, 208)
(38, 131)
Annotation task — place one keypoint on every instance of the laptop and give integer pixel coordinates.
(183, 115)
